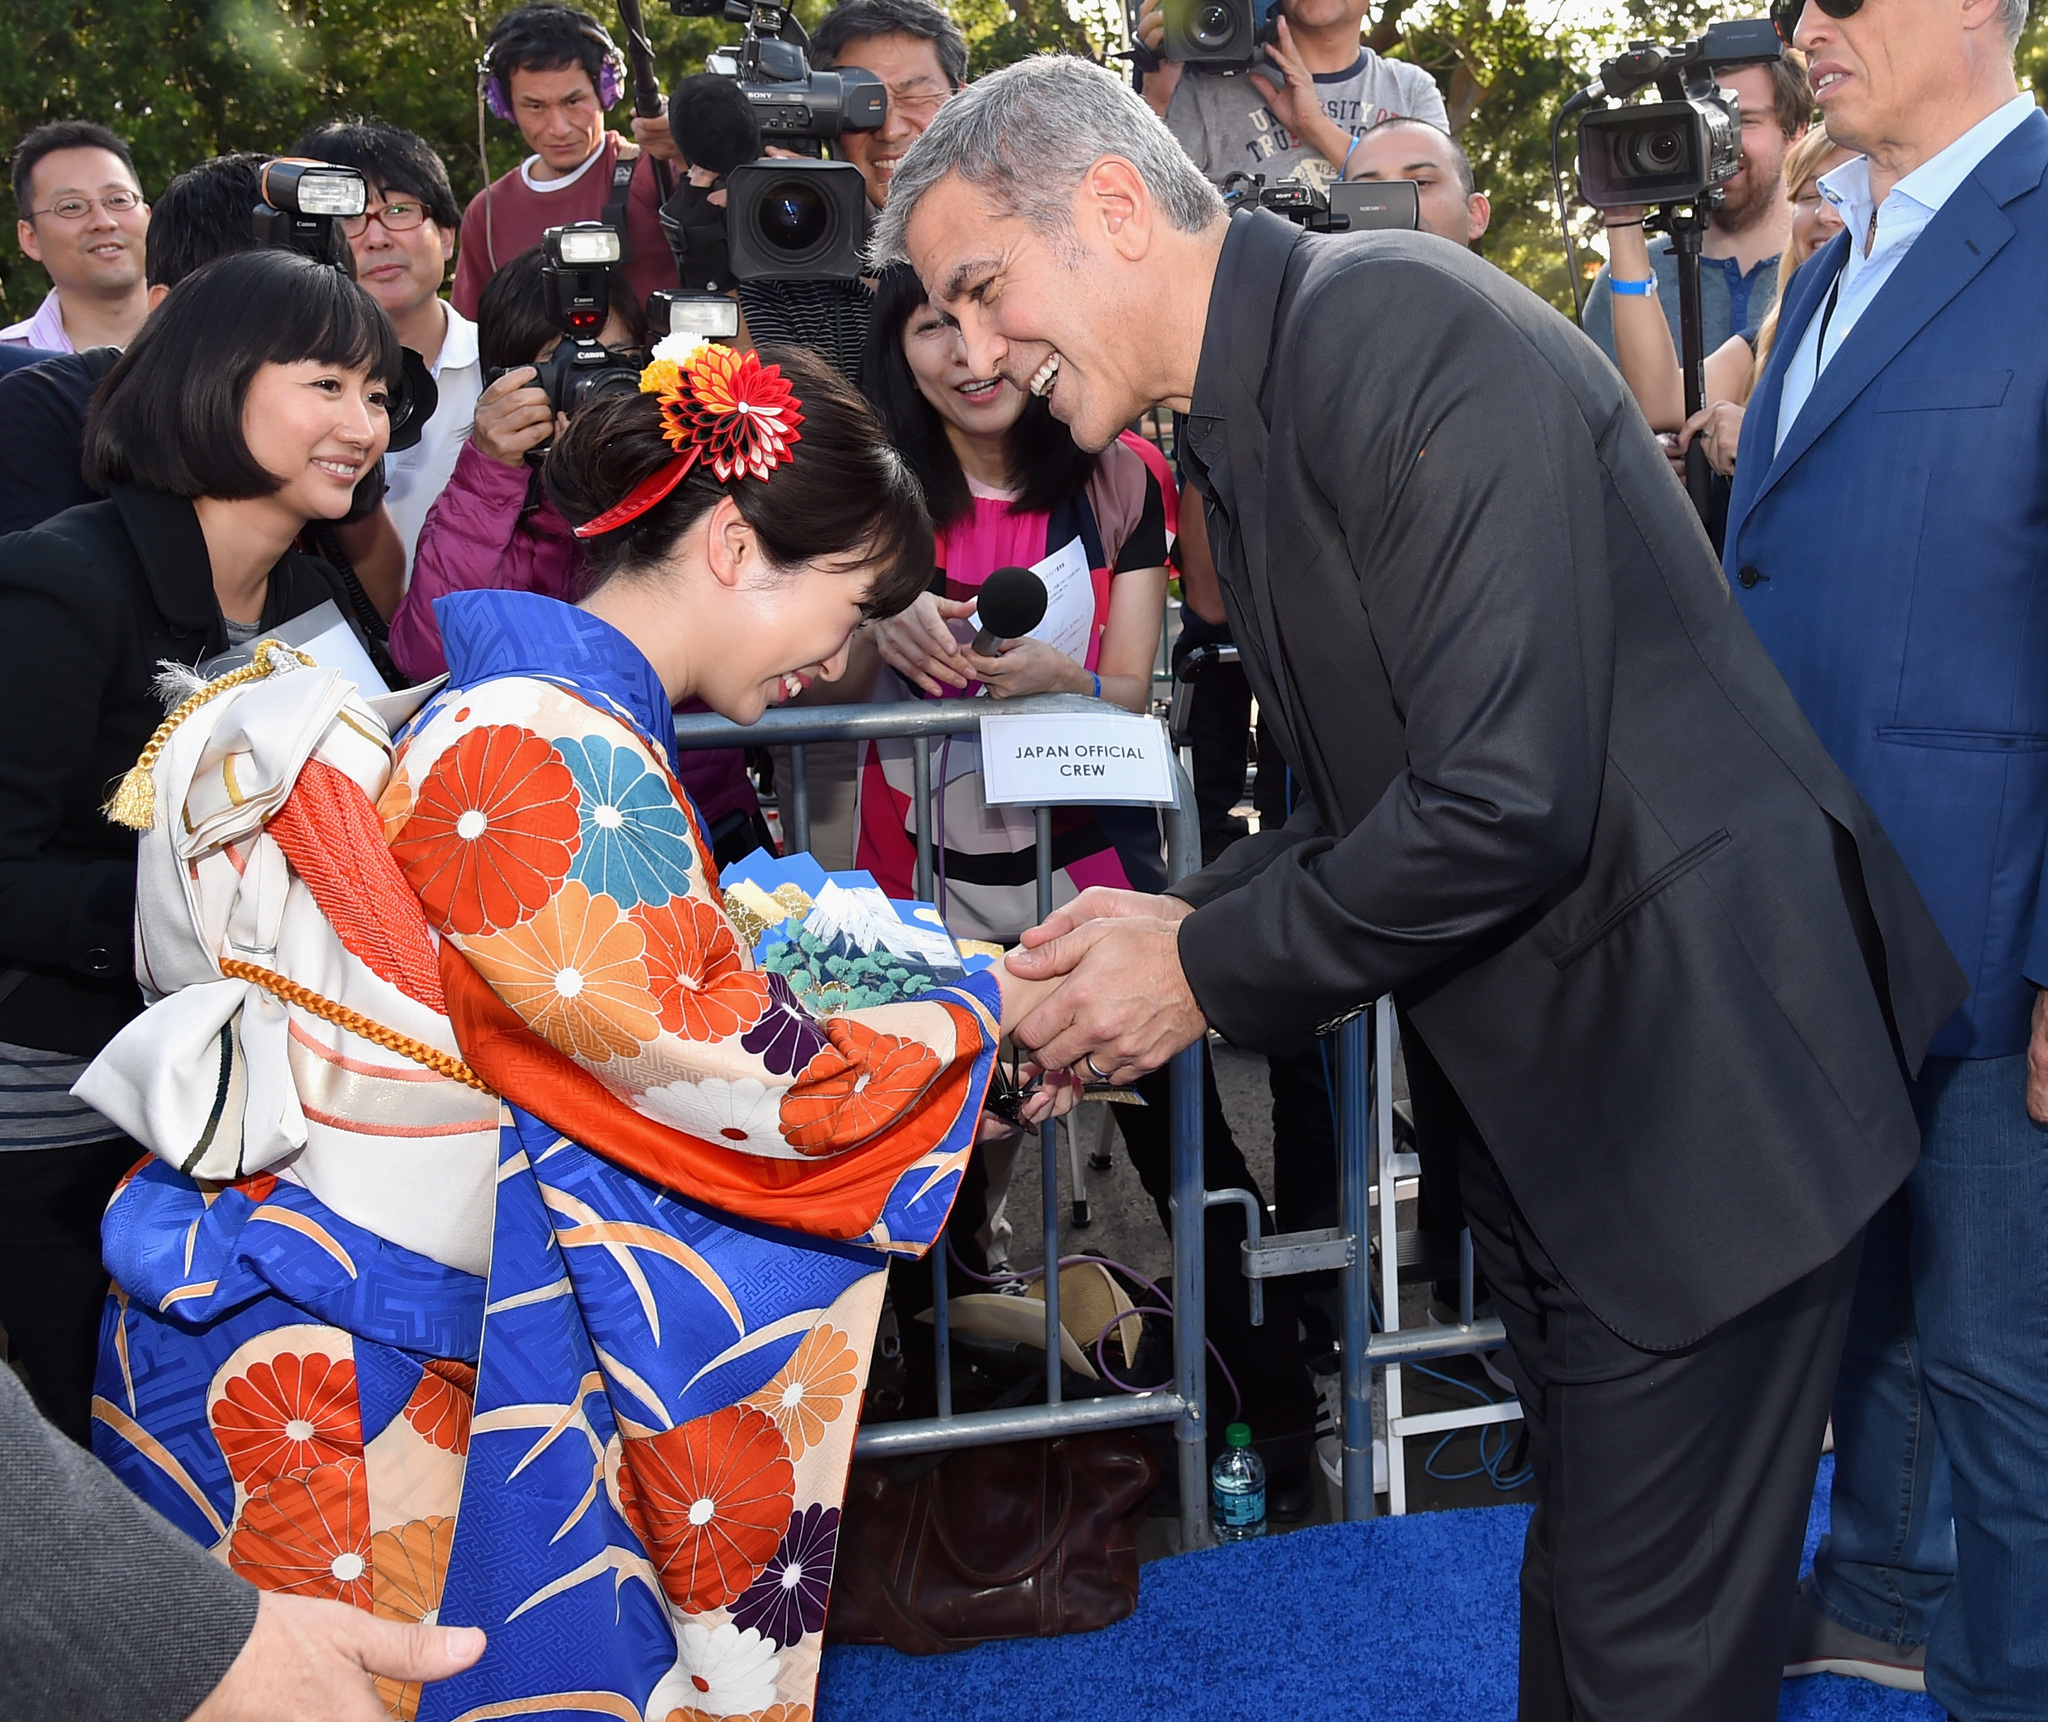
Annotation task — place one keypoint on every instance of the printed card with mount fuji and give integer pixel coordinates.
(836, 938)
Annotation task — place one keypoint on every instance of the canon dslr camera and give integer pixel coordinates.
(576, 287)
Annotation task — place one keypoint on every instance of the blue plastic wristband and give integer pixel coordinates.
(1098, 684)
(1634, 289)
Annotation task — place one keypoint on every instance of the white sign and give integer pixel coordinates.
(1089, 758)
(1069, 622)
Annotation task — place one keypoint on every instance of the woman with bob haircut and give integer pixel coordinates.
(250, 403)
(568, 1341)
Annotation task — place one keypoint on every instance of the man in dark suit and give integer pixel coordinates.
(1888, 539)
(1561, 805)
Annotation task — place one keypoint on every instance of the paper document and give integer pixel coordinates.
(1069, 625)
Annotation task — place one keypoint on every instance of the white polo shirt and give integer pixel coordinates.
(421, 473)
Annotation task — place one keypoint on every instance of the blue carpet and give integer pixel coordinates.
(1400, 1620)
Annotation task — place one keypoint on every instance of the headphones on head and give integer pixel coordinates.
(495, 86)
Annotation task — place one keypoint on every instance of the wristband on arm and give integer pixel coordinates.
(1633, 289)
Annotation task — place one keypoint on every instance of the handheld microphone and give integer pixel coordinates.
(1010, 604)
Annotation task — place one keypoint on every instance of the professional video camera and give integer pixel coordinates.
(786, 219)
(1348, 206)
(1674, 156)
(789, 99)
(1682, 149)
(1215, 35)
(575, 276)
(302, 202)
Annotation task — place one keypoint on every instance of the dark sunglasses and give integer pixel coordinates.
(1785, 14)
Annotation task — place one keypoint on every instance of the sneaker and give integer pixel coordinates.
(1330, 1436)
(1823, 1645)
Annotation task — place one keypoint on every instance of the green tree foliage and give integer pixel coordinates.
(186, 79)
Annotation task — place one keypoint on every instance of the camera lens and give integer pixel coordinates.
(1654, 151)
(793, 217)
(1213, 25)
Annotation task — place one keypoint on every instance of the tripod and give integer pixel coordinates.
(1686, 223)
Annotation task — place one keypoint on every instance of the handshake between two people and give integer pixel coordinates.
(1096, 994)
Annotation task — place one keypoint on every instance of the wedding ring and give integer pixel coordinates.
(1094, 1069)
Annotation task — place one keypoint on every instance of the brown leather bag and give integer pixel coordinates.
(1028, 1540)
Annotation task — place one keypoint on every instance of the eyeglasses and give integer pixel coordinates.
(396, 218)
(918, 98)
(1785, 14)
(78, 208)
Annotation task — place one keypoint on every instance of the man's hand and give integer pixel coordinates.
(651, 133)
(1125, 1003)
(1101, 903)
(309, 1661)
(1295, 103)
(1164, 79)
(512, 416)
(2037, 1062)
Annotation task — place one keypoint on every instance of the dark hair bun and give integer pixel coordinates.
(844, 493)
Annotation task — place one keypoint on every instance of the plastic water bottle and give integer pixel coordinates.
(1237, 1488)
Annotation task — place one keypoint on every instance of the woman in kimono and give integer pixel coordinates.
(589, 1379)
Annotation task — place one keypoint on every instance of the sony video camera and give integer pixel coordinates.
(1215, 35)
(576, 288)
(1347, 206)
(1684, 148)
(789, 99)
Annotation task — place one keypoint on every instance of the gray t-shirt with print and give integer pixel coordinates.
(1226, 126)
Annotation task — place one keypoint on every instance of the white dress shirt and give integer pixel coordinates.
(420, 473)
(1905, 212)
(45, 329)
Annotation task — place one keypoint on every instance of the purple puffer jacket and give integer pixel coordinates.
(475, 536)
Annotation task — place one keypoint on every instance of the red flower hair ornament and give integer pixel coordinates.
(727, 409)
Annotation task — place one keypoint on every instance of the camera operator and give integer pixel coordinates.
(1298, 116)
(1450, 203)
(1746, 235)
(919, 53)
(250, 404)
(83, 220)
(1643, 348)
(402, 243)
(553, 71)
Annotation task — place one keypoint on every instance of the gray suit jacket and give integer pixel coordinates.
(1561, 803)
(108, 1613)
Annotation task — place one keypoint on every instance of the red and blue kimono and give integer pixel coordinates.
(620, 1442)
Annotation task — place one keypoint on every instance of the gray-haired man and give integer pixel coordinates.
(1561, 806)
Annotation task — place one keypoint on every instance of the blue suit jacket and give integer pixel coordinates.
(1893, 556)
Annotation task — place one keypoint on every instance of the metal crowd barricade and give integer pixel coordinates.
(1183, 1405)
(1365, 1115)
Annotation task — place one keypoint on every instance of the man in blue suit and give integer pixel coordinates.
(1888, 538)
